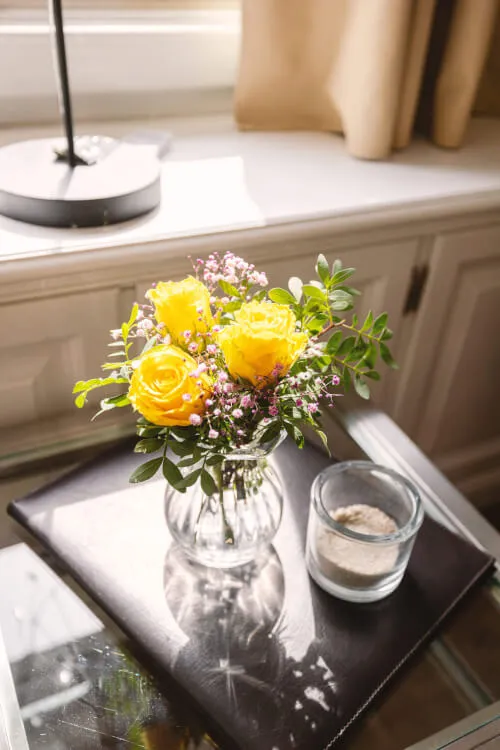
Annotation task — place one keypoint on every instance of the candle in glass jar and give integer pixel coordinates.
(350, 562)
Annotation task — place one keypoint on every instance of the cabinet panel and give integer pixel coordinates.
(449, 402)
(45, 346)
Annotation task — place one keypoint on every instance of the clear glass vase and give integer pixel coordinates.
(235, 525)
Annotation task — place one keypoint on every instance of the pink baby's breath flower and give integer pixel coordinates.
(273, 411)
(335, 380)
(186, 397)
(240, 432)
(212, 349)
(209, 402)
(141, 333)
(217, 412)
(213, 434)
(193, 347)
(228, 388)
(217, 329)
(140, 315)
(299, 402)
(116, 334)
(312, 408)
(246, 401)
(195, 419)
(223, 376)
(187, 335)
(237, 413)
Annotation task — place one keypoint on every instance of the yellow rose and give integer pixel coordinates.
(182, 306)
(262, 344)
(164, 390)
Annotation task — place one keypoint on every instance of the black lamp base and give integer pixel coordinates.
(38, 188)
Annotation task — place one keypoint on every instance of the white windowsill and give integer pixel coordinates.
(137, 64)
(223, 187)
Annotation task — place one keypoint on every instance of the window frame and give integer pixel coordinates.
(122, 64)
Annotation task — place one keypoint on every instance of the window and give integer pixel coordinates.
(127, 58)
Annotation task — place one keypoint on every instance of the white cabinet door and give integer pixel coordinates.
(449, 398)
(46, 346)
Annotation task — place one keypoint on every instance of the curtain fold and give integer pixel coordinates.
(357, 67)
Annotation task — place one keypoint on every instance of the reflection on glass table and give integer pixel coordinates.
(79, 686)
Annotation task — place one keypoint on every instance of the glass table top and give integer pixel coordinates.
(79, 687)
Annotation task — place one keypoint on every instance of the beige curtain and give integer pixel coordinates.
(365, 68)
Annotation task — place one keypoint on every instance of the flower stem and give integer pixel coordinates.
(228, 532)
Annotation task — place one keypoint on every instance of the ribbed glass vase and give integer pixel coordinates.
(236, 524)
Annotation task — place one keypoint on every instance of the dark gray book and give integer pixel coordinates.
(273, 661)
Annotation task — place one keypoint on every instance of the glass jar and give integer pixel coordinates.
(363, 522)
(236, 524)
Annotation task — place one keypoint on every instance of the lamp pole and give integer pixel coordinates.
(56, 17)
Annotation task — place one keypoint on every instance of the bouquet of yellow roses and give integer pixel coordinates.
(215, 363)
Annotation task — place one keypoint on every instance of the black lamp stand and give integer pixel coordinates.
(76, 182)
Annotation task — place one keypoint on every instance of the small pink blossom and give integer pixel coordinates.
(193, 347)
(187, 335)
(186, 397)
(237, 413)
(116, 334)
(223, 376)
(213, 434)
(299, 402)
(312, 408)
(228, 388)
(273, 411)
(217, 412)
(246, 401)
(212, 349)
(209, 402)
(335, 380)
(195, 419)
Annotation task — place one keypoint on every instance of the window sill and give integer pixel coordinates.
(154, 64)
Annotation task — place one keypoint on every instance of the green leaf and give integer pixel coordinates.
(149, 431)
(340, 300)
(295, 434)
(80, 400)
(146, 471)
(312, 291)
(342, 275)
(371, 355)
(387, 356)
(188, 480)
(184, 448)
(125, 330)
(379, 324)
(387, 334)
(324, 440)
(271, 431)
(171, 473)
(295, 285)
(322, 269)
(368, 322)
(336, 266)
(281, 296)
(208, 484)
(361, 387)
(346, 379)
(188, 461)
(372, 374)
(121, 400)
(334, 342)
(355, 321)
(228, 288)
(215, 460)
(121, 353)
(149, 445)
(346, 346)
(133, 315)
